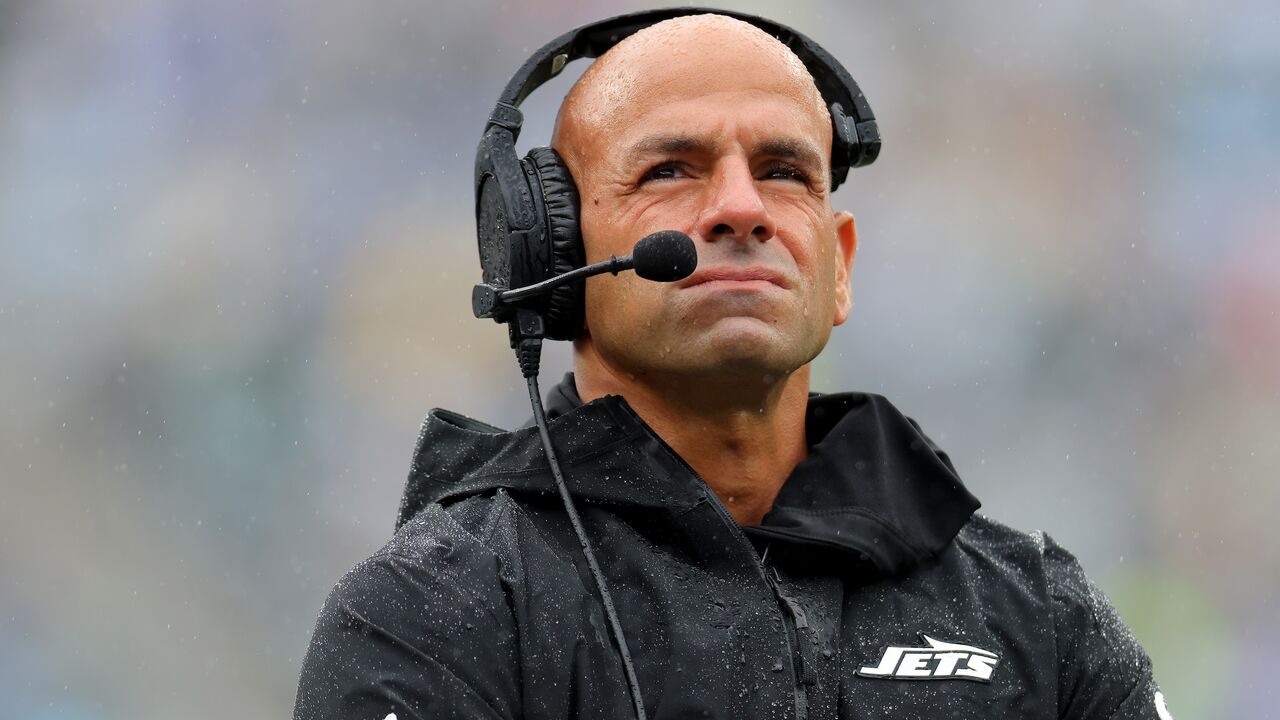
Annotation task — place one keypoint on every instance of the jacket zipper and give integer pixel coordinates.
(794, 620)
(793, 616)
(803, 673)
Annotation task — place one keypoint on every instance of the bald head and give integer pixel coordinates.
(689, 56)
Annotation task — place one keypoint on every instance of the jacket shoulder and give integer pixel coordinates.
(1017, 556)
(441, 560)
(1034, 559)
(468, 524)
(1102, 669)
(428, 612)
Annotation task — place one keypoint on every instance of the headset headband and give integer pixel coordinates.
(855, 140)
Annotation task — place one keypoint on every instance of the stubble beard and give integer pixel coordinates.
(711, 363)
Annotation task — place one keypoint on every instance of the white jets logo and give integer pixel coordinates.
(939, 661)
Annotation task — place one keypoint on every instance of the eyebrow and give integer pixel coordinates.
(780, 147)
(789, 149)
(671, 144)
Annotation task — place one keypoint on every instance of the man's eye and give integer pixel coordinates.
(663, 171)
(786, 172)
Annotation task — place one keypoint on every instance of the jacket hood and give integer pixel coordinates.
(873, 486)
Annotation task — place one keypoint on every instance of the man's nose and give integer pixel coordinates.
(733, 208)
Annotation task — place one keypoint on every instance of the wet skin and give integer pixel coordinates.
(707, 125)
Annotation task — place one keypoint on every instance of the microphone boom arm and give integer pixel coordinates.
(489, 301)
(663, 256)
(613, 265)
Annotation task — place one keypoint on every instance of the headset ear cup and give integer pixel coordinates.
(560, 198)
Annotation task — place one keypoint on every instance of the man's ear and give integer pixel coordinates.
(846, 248)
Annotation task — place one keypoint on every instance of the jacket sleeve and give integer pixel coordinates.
(420, 630)
(1103, 673)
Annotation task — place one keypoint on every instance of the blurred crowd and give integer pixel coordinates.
(236, 251)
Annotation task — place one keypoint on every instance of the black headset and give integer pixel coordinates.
(527, 208)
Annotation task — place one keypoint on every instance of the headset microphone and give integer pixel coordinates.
(665, 256)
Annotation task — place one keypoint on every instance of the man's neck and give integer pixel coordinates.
(744, 444)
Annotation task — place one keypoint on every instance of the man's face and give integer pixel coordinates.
(730, 145)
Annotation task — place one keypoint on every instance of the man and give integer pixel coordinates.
(771, 553)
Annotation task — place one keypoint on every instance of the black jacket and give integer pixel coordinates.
(880, 594)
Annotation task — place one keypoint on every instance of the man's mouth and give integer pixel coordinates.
(736, 276)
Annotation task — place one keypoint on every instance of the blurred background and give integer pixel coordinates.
(236, 251)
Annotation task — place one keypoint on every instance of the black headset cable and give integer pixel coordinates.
(529, 354)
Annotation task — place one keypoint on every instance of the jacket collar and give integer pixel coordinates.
(873, 484)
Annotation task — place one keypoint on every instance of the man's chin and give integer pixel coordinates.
(756, 357)
(744, 338)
